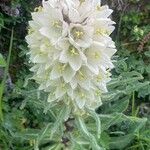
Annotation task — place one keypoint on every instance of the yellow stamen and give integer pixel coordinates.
(108, 74)
(82, 95)
(61, 68)
(101, 31)
(57, 24)
(63, 85)
(98, 7)
(96, 55)
(81, 75)
(30, 31)
(82, 1)
(73, 51)
(98, 78)
(38, 9)
(47, 44)
(98, 92)
(79, 34)
(32, 142)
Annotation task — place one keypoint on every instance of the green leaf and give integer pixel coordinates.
(136, 87)
(121, 141)
(44, 132)
(147, 53)
(28, 134)
(6, 73)
(84, 131)
(105, 140)
(78, 143)
(98, 121)
(2, 61)
(135, 124)
(118, 106)
(60, 119)
(148, 69)
(109, 120)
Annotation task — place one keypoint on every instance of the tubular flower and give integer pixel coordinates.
(71, 49)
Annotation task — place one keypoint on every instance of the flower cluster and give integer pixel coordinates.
(71, 49)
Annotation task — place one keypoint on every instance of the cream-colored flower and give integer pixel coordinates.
(81, 35)
(71, 50)
(98, 57)
(72, 55)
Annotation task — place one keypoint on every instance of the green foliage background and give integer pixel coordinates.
(27, 117)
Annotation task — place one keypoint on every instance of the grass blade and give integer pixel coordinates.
(2, 86)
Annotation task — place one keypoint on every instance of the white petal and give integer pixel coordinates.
(39, 59)
(85, 84)
(104, 12)
(73, 83)
(74, 15)
(110, 51)
(42, 86)
(34, 68)
(75, 62)
(70, 93)
(48, 65)
(94, 68)
(51, 97)
(55, 73)
(46, 32)
(63, 44)
(80, 102)
(59, 92)
(68, 74)
(83, 57)
(63, 57)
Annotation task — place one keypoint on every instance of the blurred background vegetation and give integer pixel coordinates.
(23, 118)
